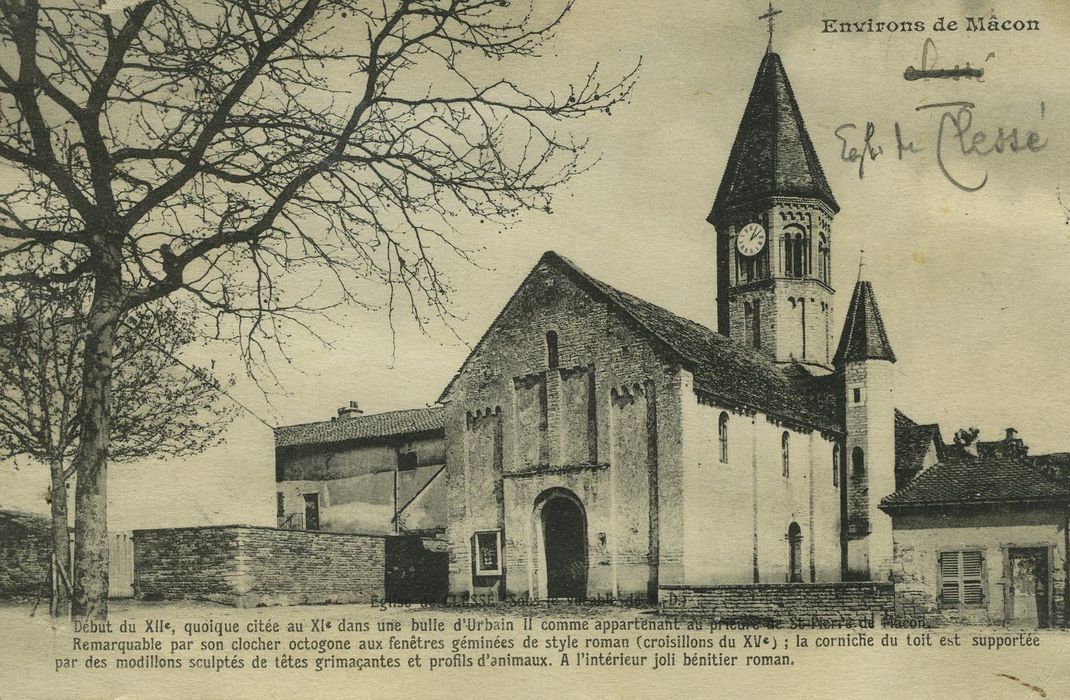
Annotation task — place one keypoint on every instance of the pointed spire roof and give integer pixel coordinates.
(863, 337)
(772, 154)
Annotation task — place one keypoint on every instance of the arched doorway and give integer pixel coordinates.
(563, 524)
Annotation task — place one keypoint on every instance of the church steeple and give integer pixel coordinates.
(773, 214)
(863, 337)
(772, 154)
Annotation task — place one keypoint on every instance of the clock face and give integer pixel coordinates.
(751, 239)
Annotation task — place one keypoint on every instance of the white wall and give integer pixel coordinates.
(719, 499)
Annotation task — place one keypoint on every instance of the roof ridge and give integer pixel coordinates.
(985, 468)
(611, 290)
(756, 381)
(361, 416)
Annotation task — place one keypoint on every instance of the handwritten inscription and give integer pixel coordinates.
(931, 69)
(959, 138)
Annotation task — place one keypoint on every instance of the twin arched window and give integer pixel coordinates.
(796, 253)
(785, 457)
(722, 437)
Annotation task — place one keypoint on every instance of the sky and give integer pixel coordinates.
(972, 285)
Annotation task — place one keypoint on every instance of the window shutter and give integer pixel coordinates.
(949, 579)
(972, 569)
(961, 578)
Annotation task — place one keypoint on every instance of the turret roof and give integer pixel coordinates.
(772, 154)
(863, 337)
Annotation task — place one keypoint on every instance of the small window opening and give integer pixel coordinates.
(551, 349)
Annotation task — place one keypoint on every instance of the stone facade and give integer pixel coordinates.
(517, 428)
(848, 604)
(25, 555)
(610, 422)
(870, 462)
(795, 305)
(250, 566)
(737, 513)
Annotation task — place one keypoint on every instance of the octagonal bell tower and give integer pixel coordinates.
(773, 215)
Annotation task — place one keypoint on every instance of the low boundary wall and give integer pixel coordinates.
(250, 566)
(781, 605)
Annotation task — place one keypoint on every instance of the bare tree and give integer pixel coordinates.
(162, 406)
(206, 148)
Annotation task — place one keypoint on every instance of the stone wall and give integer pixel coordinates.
(519, 430)
(993, 531)
(785, 605)
(249, 566)
(25, 552)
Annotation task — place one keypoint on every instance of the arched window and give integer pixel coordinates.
(836, 466)
(795, 553)
(722, 436)
(551, 349)
(784, 456)
(796, 253)
(823, 254)
(858, 461)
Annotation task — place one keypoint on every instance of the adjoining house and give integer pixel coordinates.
(360, 515)
(379, 473)
(983, 540)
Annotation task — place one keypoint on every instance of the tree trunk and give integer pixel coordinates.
(91, 460)
(61, 540)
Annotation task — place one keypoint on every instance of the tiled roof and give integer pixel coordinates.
(912, 442)
(977, 482)
(723, 369)
(772, 154)
(363, 427)
(1055, 466)
(863, 337)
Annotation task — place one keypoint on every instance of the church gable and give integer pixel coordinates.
(558, 318)
(558, 297)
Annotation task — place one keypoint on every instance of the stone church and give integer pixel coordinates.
(596, 445)
(599, 445)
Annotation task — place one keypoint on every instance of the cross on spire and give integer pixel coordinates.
(861, 262)
(769, 17)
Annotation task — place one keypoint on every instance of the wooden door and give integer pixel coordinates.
(1027, 575)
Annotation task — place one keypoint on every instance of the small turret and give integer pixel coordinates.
(865, 358)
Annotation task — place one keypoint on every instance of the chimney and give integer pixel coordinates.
(349, 411)
(1011, 433)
